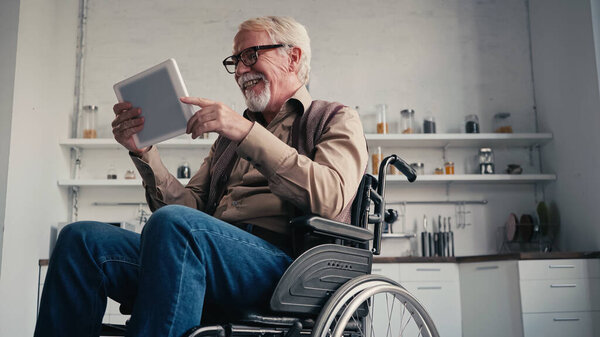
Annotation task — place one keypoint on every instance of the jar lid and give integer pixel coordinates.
(485, 149)
(407, 112)
(418, 165)
(449, 163)
(90, 107)
(502, 115)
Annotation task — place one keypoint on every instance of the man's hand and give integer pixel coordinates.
(127, 123)
(216, 117)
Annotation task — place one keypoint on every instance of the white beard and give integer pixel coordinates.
(257, 102)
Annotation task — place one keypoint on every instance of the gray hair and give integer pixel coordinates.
(285, 30)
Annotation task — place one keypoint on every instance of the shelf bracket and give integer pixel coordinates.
(444, 150)
(74, 203)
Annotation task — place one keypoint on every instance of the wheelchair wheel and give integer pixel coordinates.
(373, 306)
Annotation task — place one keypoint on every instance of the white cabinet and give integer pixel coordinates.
(559, 296)
(435, 285)
(491, 304)
(531, 298)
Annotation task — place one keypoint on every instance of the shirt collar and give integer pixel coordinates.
(299, 103)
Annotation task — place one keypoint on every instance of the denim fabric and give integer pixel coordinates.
(184, 264)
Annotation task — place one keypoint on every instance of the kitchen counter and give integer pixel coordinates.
(485, 258)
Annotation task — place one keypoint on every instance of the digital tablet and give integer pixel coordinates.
(156, 91)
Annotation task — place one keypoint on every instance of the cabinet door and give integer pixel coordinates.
(490, 299)
(390, 270)
(578, 324)
(442, 302)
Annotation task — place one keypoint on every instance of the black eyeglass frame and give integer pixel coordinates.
(235, 59)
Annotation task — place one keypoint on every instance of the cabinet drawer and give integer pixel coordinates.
(578, 324)
(428, 272)
(554, 269)
(442, 302)
(538, 296)
(389, 270)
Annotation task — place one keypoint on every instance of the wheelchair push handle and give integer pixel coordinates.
(400, 164)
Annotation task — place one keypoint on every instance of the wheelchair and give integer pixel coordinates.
(329, 291)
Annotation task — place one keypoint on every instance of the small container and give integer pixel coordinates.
(183, 171)
(130, 174)
(472, 124)
(449, 167)
(429, 124)
(111, 174)
(382, 125)
(376, 159)
(486, 161)
(90, 114)
(502, 123)
(419, 168)
(438, 171)
(407, 121)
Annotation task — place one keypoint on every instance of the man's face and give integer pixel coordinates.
(262, 83)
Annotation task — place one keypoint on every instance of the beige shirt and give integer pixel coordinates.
(269, 175)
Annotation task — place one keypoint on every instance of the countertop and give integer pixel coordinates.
(485, 258)
(474, 258)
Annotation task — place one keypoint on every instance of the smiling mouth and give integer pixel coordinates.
(250, 83)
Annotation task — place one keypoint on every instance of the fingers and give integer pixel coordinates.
(119, 107)
(125, 115)
(201, 102)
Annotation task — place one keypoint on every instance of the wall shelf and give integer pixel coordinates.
(390, 140)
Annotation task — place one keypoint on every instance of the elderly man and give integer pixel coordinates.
(219, 245)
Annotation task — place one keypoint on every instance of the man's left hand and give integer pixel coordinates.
(216, 117)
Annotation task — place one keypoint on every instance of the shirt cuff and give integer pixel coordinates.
(264, 150)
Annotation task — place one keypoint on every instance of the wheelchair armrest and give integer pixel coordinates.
(330, 228)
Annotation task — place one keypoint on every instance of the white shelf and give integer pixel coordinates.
(105, 182)
(390, 140)
(477, 178)
(456, 178)
(110, 143)
(459, 140)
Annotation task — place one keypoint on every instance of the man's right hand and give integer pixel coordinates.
(127, 123)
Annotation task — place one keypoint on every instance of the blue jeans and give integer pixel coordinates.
(184, 264)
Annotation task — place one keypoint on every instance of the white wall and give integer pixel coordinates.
(568, 100)
(43, 98)
(9, 23)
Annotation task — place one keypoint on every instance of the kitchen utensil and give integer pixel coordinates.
(511, 227)
(424, 239)
(450, 238)
(544, 217)
(525, 228)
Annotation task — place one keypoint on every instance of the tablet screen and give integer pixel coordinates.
(155, 95)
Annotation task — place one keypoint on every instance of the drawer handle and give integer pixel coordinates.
(486, 268)
(430, 288)
(561, 266)
(563, 285)
(566, 319)
(429, 269)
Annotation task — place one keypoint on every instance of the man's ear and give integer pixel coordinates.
(295, 55)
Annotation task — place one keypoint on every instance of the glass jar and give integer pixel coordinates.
(90, 114)
(502, 123)
(449, 167)
(130, 174)
(376, 159)
(183, 171)
(419, 168)
(438, 171)
(407, 121)
(472, 124)
(382, 125)
(111, 173)
(429, 124)
(486, 161)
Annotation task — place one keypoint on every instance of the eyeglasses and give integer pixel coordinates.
(248, 56)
